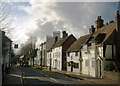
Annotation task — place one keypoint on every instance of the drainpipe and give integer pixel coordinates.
(96, 68)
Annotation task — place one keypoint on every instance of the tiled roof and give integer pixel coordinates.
(102, 34)
(61, 41)
(76, 46)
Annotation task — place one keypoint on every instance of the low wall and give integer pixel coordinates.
(112, 75)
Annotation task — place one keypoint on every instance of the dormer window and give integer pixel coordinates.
(76, 53)
(68, 54)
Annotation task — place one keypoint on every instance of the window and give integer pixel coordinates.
(93, 63)
(53, 55)
(86, 62)
(71, 58)
(76, 65)
(76, 53)
(68, 64)
(68, 53)
(59, 54)
(16, 46)
(80, 54)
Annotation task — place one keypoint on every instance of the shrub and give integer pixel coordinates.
(110, 67)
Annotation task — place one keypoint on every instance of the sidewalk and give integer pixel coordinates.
(13, 77)
(88, 78)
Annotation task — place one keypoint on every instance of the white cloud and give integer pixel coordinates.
(73, 17)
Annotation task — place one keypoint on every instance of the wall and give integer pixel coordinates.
(92, 60)
(108, 55)
(48, 58)
(57, 58)
(65, 46)
(68, 60)
(75, 59)
(85, 58)
(50, 40)
(0, 58)
(38, 57)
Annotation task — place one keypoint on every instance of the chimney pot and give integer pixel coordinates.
(92, 29)
(99, 22)
(64, 34)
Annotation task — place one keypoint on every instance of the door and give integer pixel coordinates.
(80, 66)
(99, 68)
(71, 66)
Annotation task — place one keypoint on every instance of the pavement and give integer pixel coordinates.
(89, 78)
(13, 77)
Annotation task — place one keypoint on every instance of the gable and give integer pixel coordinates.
(62, 41)
(102, 34)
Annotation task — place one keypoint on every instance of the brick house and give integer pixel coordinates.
(59, 51)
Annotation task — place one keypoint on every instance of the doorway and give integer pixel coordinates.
(71, 66)
(99, 69)
(80, 66)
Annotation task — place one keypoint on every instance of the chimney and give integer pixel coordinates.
(117, 20)
(56, 39)
(99, 22)
(92, 29)
(117, 38)
(64, 34)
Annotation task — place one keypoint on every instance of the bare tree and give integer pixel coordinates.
(4, 13)
(29, 51)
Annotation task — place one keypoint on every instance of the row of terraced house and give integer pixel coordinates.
(90, 54)
(5, 54)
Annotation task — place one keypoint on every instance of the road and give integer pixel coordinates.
(33, 77)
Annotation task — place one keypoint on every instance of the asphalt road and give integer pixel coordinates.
(33, 77)
(36, 77)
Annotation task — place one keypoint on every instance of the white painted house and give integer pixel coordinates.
(50, 41)
(102, 49)
(59, 51)
(74, 63)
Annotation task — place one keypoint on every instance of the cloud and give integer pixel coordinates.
(75, 18)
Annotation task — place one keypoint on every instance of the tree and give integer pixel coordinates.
(29, 51)
(4, 13)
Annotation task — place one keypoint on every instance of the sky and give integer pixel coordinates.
(38, 18)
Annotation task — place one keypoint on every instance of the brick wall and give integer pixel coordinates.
(65, 46)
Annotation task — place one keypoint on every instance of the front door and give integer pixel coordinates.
(99, 68)
(71, 66)
(80, 66)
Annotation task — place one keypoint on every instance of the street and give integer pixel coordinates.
(33, 77)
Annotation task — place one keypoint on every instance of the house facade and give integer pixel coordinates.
(42, 54)
(102, 48)
(59, 49)
(50, 41)
(5, 53)
(74, 55)
(6, 50)
(1, 58)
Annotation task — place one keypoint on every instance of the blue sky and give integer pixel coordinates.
(39, 19)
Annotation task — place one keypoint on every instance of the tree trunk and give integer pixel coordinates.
(33, 61)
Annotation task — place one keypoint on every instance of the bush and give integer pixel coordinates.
(110, 67)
